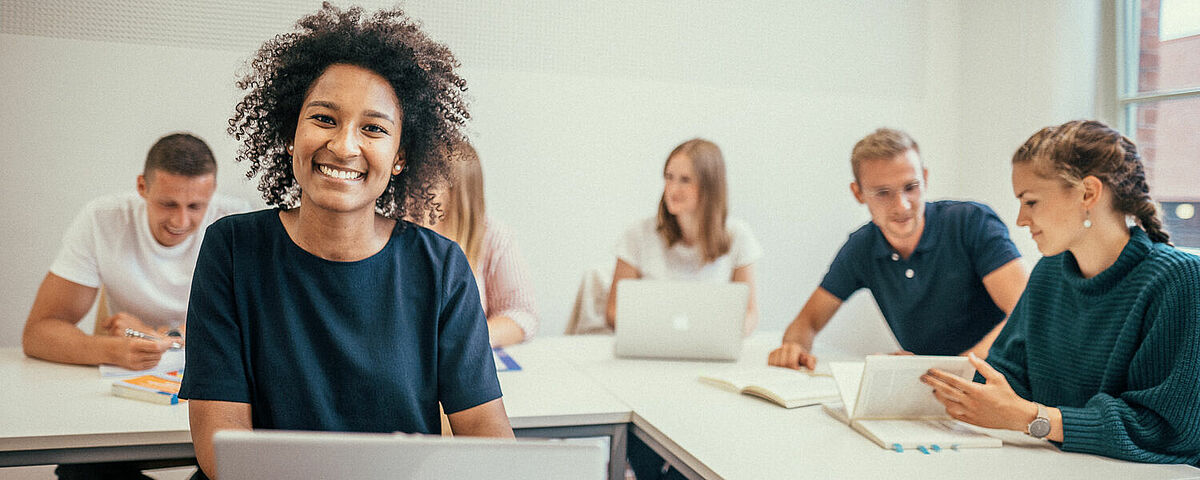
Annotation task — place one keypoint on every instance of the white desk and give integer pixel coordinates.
(568, 386)
(550, 398)
(707, 432)
(52, 413)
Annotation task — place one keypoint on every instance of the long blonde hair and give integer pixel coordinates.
(464, 211)
(709, 165)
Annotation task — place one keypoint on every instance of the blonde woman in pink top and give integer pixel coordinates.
(504, 285)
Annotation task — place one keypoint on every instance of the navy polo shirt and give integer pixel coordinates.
(934, 300)
(311, 344)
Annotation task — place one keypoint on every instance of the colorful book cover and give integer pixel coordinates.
(158, 388)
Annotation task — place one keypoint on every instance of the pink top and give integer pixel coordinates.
(504, 284)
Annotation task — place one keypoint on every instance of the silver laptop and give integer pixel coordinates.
(680, 320)
(286, 454)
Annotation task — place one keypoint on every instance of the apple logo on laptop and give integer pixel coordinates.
(680, 322)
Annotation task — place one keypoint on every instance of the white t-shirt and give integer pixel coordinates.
(110, 244)
(644, 249)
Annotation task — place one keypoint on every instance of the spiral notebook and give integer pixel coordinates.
(884, 399)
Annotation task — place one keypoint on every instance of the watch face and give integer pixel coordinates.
(1040, 427)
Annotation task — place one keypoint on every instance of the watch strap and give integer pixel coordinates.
(1040, 423)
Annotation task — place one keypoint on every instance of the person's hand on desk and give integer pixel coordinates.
(136, 353)
(129, 352)
(792, 355)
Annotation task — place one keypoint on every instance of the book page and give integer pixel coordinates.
(847, 376)
(723, 380)
(892, 388)
(837, 411)
(791, 388)
(800, 390)
(822, 370)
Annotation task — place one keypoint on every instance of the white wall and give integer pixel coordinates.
(1022, 69)
(576, 106)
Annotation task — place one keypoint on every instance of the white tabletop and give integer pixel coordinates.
(721, 434)
(549, 392)
(46, 405)
(576, 381)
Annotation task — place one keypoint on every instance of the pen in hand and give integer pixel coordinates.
(129, 332)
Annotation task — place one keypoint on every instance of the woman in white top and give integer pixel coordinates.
(691, 238)
(505, 288)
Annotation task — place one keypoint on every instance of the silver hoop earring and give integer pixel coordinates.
(1087, 222)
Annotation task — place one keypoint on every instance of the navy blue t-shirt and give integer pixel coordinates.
(935, 300)
(312, 344)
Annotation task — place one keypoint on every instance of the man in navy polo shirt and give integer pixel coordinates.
(945, 274)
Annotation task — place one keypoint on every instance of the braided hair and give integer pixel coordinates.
(1080, 148)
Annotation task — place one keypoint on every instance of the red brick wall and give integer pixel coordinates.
(1168, 133)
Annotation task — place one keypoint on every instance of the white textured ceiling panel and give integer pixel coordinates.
(689, 42)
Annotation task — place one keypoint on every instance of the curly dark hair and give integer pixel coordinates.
(388, 43)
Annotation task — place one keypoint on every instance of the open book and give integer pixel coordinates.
(786, 387)
(884, 399)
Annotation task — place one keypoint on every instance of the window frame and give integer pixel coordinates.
(1128, 29)
(1129, 20)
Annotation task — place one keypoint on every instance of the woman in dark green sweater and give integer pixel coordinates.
(1102, 353)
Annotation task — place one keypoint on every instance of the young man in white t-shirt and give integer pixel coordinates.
(142, 248)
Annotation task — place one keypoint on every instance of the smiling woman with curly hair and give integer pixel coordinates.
(420, 71)
(329, 312)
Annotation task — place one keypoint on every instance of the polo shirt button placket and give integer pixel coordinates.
(895, 257)
(909, 273)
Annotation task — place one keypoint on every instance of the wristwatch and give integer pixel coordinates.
(1040, 426)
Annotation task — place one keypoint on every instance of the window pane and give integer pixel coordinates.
(1166, 135)
(1168, 45)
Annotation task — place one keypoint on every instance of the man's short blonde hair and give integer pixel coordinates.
(883, 143)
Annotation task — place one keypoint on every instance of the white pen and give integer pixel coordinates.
(129, 332)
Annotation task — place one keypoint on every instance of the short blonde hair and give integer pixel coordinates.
(883, 143)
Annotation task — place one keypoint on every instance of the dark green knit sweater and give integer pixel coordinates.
(1118, 353)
